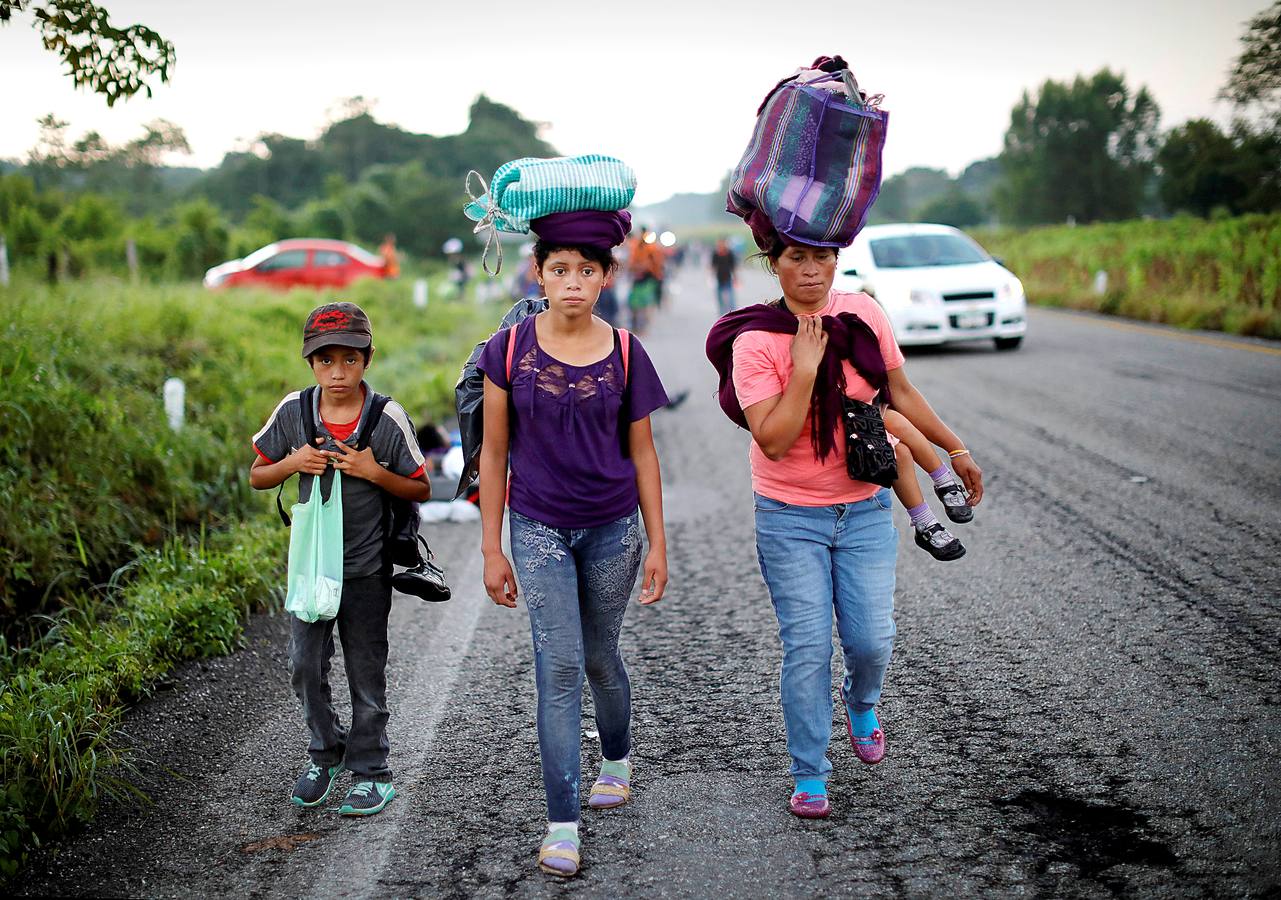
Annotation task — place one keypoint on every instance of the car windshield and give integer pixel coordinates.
(259, 255)
(918, 251)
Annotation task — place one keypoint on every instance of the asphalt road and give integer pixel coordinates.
(1087, 704)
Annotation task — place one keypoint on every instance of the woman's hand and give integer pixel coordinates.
(971, 476)
(500, 580)
(654, 581)
(809, 344)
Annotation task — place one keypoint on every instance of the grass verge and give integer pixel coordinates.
(1220, 275)
(127, 547)
(62, 697)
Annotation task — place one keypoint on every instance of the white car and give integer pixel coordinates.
(936, 284)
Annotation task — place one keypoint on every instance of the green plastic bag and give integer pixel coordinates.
(316, 554)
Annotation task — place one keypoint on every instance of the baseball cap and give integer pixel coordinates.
(336, 324)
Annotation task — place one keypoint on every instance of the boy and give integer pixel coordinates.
(338, 345)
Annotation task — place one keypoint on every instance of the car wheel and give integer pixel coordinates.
(1010, 343)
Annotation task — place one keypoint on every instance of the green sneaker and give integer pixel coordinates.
(314, 785)
(366, 798)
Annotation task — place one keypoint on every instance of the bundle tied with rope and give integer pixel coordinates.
(529, 189)
(812, 168)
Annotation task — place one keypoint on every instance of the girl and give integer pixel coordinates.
(567, 402)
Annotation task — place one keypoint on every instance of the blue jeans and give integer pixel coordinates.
(816, 560)
(724, 297)
(576, 584)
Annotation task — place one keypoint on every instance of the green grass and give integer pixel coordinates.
(1221, 275)
(89, 469)
(126, 548)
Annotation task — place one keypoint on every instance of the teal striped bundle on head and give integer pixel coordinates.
(529, 188)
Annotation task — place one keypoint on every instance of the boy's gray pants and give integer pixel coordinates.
(362, 628)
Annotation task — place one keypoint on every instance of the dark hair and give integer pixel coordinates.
(770, 255)
(602, 256)
(364, 351)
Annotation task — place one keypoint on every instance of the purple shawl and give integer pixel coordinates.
(848, 338)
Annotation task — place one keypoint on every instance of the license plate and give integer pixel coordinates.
(971, 320)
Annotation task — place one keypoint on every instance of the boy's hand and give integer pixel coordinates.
(308, 460)
(360, 463)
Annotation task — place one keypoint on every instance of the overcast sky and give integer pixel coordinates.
(670, 87)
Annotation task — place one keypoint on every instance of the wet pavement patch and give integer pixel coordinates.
(1089, 835)
(286, 842)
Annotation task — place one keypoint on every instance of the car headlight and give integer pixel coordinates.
(918, 296)
(1011, 290)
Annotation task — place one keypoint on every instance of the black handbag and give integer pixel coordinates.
(425, 580)
(868, 454)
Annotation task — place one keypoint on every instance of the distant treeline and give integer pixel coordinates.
(75, 205)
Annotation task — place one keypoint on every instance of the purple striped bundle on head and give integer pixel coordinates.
(812, 169)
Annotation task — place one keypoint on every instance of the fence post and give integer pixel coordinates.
(175, 396)
(4, 262)
(1101, 282)
(420, 293)
(131, 258)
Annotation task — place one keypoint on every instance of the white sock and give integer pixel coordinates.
(572, 826)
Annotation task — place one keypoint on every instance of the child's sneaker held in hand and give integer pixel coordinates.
(939, 543)
(955, 502)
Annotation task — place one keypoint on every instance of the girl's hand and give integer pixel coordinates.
(500, 581)
(809, 344)
(971, 476)
(654, 581)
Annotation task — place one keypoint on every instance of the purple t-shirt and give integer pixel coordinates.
(567, 464)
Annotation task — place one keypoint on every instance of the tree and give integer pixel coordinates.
(1256, 77)
(110, 61)
(1200, 170)
(955, 208)
(1082, 150)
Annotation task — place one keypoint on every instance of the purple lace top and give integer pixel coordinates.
(567, 464)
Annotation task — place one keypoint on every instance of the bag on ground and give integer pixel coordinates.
(316, 553)
(813, 167)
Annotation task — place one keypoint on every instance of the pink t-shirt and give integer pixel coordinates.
(762, 368)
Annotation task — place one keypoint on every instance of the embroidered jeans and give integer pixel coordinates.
(576, 583)
(820, 560)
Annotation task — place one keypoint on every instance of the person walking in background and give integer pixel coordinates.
(645, 263)
(391, 264)
(567, 404)
(724, 268)
(825, 542)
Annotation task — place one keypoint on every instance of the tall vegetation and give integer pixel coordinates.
(1221, 275)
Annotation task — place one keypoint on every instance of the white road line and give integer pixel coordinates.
(419, 706)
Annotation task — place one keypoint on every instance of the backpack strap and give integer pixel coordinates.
(511, 351)
(625, 344)
(309, 431)
(366, 430)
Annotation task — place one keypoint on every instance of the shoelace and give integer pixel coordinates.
(313, 773)
(952, 496)
(363, 789)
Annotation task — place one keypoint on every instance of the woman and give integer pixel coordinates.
(826, 544)
(567, 400)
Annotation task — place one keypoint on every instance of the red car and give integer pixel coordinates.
(299, 262)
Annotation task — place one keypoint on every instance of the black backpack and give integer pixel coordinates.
(400, 517)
